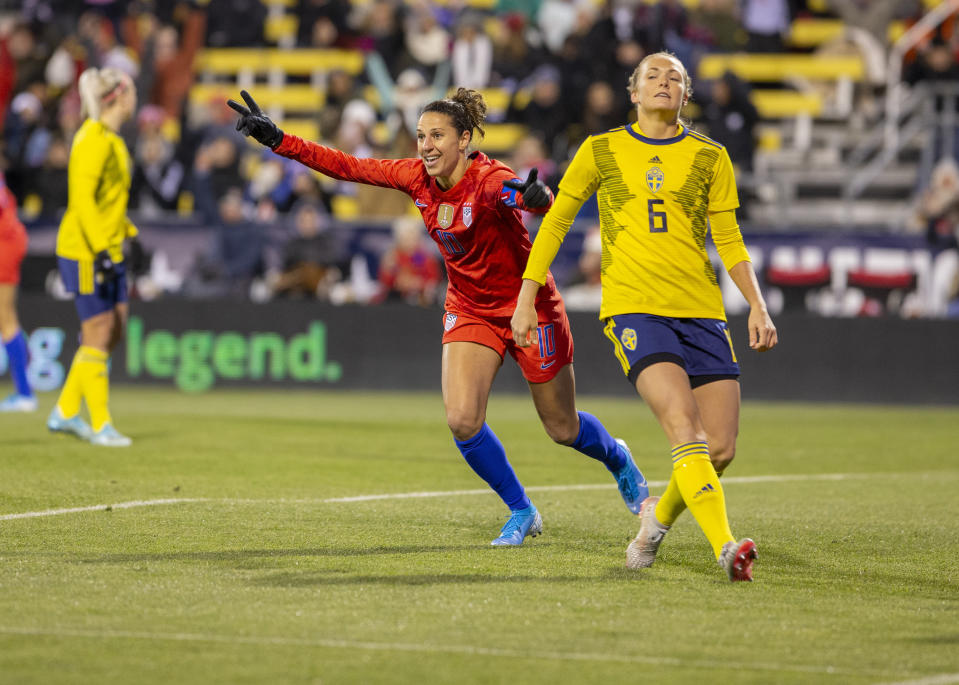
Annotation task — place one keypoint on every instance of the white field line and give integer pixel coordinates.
(101, 507)
(468, 650)
(408, 495)
(942, 679)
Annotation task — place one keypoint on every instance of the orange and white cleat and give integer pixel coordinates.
(737, 559)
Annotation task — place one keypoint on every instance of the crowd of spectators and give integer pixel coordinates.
(564, 63)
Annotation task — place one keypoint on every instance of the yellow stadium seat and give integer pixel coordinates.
(779, 67)
(307, 129)
(372, 96)
(501, 137)
(809, 33)
(279, 3)
(522, 97)
(345, 207)
(306, 61)
(281, 26)
(299, 98)
(478, 4)
(780, 104)
(770, 140)
(497, 100)
(231, 61)
(896, 29)
(689, 4)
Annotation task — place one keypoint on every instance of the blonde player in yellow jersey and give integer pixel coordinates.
(90, 252)
(659, 185)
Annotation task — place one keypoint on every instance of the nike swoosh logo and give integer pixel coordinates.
(547, 364)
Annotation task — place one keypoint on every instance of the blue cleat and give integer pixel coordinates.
(58, 423)
(522, 522)
(18, 403)
(630, 480)
(108, 436)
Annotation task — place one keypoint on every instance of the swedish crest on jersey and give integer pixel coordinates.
(444, 215)
(628, 338)
(655, 178)
(467, 214)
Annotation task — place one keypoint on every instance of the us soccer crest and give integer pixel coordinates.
(654, 178)
(628, 338)
(444, 215)
(467, 214)
(450, 321)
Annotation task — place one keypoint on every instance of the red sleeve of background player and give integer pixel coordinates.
(387, 173)
(8, 77)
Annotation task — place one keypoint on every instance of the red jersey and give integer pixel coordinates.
(13, 237)
(10, 227)
(476, 223)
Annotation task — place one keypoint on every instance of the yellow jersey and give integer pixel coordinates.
(98, 192)
(655, 197)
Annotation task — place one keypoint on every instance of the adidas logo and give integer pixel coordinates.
(704, 490)
(655, 160)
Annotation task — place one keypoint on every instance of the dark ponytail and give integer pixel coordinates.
(466, 109)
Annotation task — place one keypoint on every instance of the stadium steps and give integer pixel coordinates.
(826, 214)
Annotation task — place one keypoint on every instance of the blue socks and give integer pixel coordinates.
(486, 456)
(596, 442)
(19, 356)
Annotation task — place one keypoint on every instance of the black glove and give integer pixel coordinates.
(535, 193)
(253, 122)
(135, 257)
(104, 267)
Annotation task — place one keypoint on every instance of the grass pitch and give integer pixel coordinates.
(239, 549)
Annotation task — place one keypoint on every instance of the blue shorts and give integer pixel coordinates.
(92, 298)
(703, 347)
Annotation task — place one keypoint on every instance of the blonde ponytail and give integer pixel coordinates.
(98, 87)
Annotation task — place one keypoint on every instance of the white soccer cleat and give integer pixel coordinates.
(641, 552)
(76, 426)
(108, 436)
(18, 403)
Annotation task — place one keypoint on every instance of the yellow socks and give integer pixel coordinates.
(88, 380)
(72, 391)
(671, 504)
(694, 484)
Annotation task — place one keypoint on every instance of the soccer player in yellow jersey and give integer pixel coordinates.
(90, 252)
(660, 186)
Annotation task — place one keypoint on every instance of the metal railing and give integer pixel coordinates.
(910, 112)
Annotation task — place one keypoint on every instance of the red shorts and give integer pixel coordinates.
(538, 363)
(13, 247)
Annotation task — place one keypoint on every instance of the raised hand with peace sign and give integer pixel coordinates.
(253, 122)
(535, 193)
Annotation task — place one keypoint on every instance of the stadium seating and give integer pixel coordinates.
(225, 62)
(757, 67)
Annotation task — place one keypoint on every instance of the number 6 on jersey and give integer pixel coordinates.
(655, 227)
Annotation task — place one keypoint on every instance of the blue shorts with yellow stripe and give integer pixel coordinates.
(92, 298)
(703, 347)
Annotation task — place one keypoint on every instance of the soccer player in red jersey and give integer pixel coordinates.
(13, 247)
(471, 206)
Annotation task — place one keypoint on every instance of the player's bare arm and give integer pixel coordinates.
(762, 331)
(524, 321)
